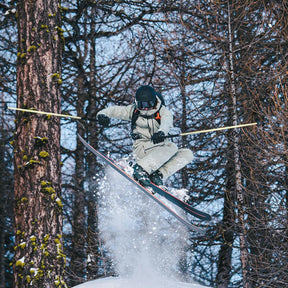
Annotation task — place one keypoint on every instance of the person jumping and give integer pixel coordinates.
(156, 157)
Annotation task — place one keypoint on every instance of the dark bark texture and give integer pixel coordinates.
(39, 260)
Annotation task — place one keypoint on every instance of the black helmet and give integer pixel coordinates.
(146, 97)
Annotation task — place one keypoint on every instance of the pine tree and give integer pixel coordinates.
(39, 258)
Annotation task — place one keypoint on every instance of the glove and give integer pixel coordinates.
(158, 137)
(103, 120)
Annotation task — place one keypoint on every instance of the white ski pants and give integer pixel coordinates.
(165, 157)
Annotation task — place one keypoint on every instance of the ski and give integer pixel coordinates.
(111, 163)
(178, 202)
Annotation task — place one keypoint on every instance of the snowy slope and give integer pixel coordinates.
(135, 283)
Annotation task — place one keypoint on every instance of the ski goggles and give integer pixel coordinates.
(146, 105)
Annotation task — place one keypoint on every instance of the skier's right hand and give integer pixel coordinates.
(103, 120)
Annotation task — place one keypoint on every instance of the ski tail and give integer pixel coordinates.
(178, 202)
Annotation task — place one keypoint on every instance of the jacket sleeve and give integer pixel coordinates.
(118, 112)
(166, 120)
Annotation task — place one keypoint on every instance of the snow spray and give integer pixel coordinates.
(145, 242)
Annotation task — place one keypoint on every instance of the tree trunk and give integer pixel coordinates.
(39, 259)
(184, 174)
(93, 165)
(238, 176)
(224, 264)
(78, 253)
(4, 195)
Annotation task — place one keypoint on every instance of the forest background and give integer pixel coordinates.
(216, 63)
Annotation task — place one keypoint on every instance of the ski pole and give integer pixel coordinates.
(211, 130)
(49, 113)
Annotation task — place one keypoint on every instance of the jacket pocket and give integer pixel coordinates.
(148, 149)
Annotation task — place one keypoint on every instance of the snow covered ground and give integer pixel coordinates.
(145, 242)
(135, 283)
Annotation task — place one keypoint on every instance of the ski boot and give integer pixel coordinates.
(156, 178)
(140, 175)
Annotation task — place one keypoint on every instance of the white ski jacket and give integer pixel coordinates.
(144, 128)
(152, 156)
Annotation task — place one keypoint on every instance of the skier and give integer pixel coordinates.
(157, 158)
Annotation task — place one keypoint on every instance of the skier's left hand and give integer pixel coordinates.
(158, 137)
